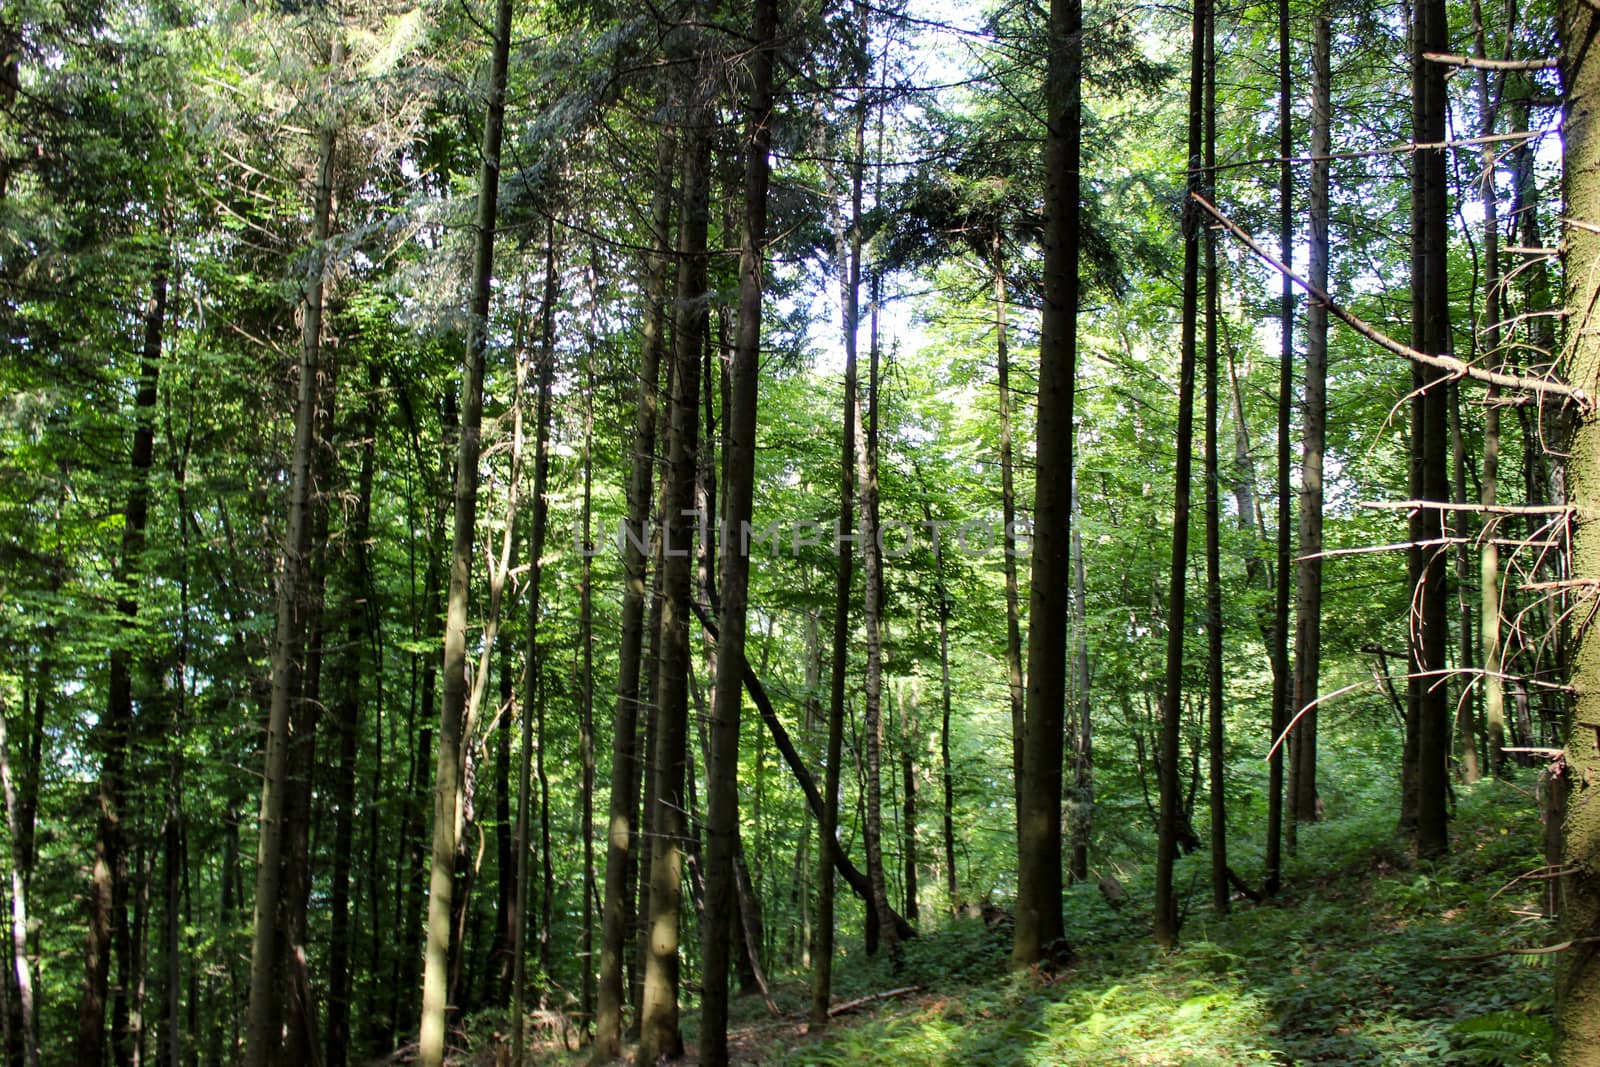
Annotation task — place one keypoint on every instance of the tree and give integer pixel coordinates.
(1040, 933)
(1166, 918)
(722, 771)
(447, 781)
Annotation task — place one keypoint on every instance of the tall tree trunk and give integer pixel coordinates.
(586, 717)
(264, 1019)
(829, 847)
(947, 777)
(1430, 333)
(348, 724)
(1040, 933)
(722, 770)
(872, 724)
(1171, 818)
(22, 967)
(910, 736)
(659, 1032)
(625, 765)
(1282, 688)
(1308, 588)
(1494, 707)
(108, 896)
(447, 782)
(1008, 515)
(1577, 1012)
(1082, 793)
(532, 694)
(1213, 505)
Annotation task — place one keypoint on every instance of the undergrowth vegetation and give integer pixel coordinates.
(1367, 957)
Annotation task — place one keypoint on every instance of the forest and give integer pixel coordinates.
(799, 532)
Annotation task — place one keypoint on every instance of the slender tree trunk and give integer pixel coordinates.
(947, 777)
(1040, 932)
(1430, 333)
(533, 662)
(1278, 638)
(348, 723)
(22, 967)
(586, 718)
(264, 1019)
(1008, 515)
(829, 847)
(1308, 590)
(108, 896)
(1171, 817)
(625, 767)
(1494, 708)
(722, 770)
(447, 785)
(1083, 757)
(659, 1032)
(910, 736)
(872, 725)
(1213, 505)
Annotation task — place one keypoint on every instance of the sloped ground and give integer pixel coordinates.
(1358, 962)
(1366, 958)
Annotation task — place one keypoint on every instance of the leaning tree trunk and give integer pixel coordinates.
(722, 768)
(441, 880)
(1040, 931)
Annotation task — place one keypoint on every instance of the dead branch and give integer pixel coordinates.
(1453, 367)
(851, 1005)
(1491, 509)
(1545, 951)
(1476, 63)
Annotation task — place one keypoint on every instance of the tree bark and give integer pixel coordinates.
(1430, 301)
(659, 1031)
(1213, 507)
(625, 766)
(436, 965)
(1040, 932)
(21, 965)
(1170, 822)
(1308, 574)
(1008, 515)
(722, 769)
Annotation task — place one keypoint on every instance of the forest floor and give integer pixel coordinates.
(1367, 957)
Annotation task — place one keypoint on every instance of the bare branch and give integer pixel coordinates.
(1453, 367)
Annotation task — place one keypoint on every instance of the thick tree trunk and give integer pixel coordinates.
(625, 764)
(1430, 301)
(447, 784)
(1040, 933)
(722, 769)
(1171, 818)
(1577, 1013)
(659, 1032)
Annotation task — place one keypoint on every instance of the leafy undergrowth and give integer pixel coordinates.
(1352, 964)
(1367, 957)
